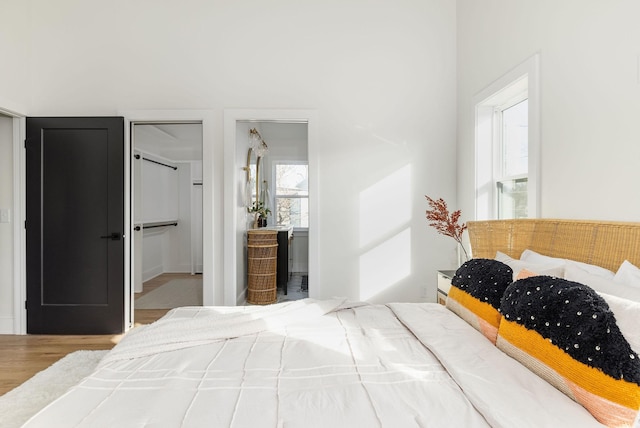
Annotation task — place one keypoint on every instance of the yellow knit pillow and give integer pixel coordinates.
(566, 333)
(476, 290)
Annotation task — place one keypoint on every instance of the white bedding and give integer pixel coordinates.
(365, 366)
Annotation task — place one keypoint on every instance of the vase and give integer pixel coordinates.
(462, 254)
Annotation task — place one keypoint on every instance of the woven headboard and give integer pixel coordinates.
(601, 243)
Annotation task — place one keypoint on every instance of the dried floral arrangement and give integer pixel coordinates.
(444, 222)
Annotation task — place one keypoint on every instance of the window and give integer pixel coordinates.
(292, 194)
(507, 145)
(511, 178)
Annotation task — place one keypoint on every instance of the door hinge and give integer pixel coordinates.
(25, 304)
(25, 224)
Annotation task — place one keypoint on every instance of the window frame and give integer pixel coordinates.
(522, 82)
(499, 176)
(275, 195)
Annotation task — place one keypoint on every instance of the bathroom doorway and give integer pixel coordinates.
(237, 126)
(284, 188)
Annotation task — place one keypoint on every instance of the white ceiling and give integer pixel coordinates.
(174, 141)
(273, 131)
(183, 141)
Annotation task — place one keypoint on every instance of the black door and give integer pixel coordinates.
(75, 224)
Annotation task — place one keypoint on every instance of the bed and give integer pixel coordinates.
(336, 363)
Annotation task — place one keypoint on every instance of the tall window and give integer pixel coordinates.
(511, 178)
(507, 145)
(292, 194)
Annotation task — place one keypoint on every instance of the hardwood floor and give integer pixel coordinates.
(160, 280)
(23, 356)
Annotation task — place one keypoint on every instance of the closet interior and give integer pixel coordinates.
(167, 201)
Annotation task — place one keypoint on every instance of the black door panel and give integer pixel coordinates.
(75, 197)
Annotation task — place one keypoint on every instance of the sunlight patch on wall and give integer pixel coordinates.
(385, 265)
(385, 206)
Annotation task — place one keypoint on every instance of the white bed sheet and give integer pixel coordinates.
(357, 367)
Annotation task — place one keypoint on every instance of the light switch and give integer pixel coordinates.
(5, 215)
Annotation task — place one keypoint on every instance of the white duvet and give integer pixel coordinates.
(311, 364)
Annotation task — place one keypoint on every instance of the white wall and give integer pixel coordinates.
(381, 76)
(166, 196)
(160, 189)
(179, 250)
(300, 252)
(153, 244)
(590, 97)
(160, 201)
(14, 56)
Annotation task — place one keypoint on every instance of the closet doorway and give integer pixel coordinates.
(167, 246)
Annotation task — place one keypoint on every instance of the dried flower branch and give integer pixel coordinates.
(446, 223)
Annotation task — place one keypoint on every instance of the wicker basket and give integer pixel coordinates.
(262, 236)
(262, 265)
(263, 259)
(261, 297)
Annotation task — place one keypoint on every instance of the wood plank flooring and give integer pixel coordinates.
(23, 356)
(160, 280)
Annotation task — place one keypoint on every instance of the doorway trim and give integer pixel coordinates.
(19, 234)
(206, 117)
(231, 171)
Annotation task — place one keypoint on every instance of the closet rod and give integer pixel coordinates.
(152, 225)
(155, 161)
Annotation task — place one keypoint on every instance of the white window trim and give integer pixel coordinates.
(274, 195)
(485, 205)
(498, 145)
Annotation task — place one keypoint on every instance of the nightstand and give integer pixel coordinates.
(444, 284)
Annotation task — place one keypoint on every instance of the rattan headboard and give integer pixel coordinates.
(601, 243)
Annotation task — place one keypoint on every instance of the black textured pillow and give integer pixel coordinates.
(476, 290)
(566, 333)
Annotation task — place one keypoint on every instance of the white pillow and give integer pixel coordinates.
(627, 315)
(628, 274)
(602, 285)
(532, 256)
(550, 269)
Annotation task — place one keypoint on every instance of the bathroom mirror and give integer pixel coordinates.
(258, 206)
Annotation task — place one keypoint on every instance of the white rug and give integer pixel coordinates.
(19, 404)
(173, 294)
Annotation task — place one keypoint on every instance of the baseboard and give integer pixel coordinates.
(152, 273)
(6, 325)
(178, 269)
